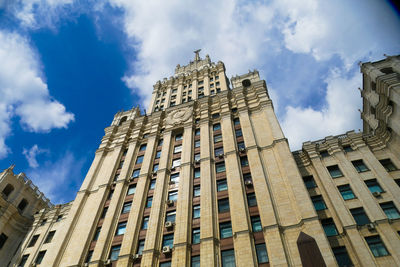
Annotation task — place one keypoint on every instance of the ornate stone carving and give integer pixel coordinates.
(178, 116)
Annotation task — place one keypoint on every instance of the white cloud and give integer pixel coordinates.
(338, 116)
(23, 91)
(31, 155)
(52, 176)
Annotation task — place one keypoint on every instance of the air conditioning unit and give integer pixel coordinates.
(242, 149)
(220, 155)
(166, 250)
(154, 173)
(197, 161)
(86, 264)
(169, 224)
(248, 182)
(376, 194)
(107, 262)
(170, 202)
(173, 168)
(371, 226)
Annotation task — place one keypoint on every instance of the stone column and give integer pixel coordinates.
(179, 93)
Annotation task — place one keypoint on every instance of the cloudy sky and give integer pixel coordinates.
(66, 67)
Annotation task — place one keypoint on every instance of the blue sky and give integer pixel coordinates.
(66, 67)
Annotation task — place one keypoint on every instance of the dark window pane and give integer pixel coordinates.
(376, 246)
(334, 171)
(342, 258)
(262, 255)
(318, 202)
(228, 258)
(309, 182)
(346, 192)
(388, 165)
(359, 216)
(360, 166)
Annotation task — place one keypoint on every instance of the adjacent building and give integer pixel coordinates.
(207, 178)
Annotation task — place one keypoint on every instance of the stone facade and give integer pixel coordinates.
(20, 199)
(207, 178)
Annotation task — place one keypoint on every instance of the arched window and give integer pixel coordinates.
(22, 205)
(246, 83)
(123, 119)
(8, 189)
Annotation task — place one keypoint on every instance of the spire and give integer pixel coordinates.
(197, 56)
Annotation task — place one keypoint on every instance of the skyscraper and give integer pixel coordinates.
(207, 178)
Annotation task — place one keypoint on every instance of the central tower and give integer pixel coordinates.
(205, 179)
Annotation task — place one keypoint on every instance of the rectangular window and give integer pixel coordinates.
(244, 161)
(216, 77)
(59, 218)
(155, 167)
(33, 241)
(121, 228)
(114, 253)
(197, 157)
(376, 246)
(334, 171)
(223, 205)
(196, 191)
(251, 199)
(127, 207)
(145, 223)
(228, 258)
(195, 262)
(165, 264)
(359, 216)
(110, 194)
(170, 216)
(262, 255)
(149, 202)
(222, 185)
(197, 132)
(24, 259)
(241, 146)
(139, 159)
(160, 142)
(174, 178)
(388, 165)
(359, 165)
(220, 167)
(309, 182)
(197, 143)
(176, 163)
(49, 237)
(218, 138)
(347, 148)
(178, 137)
(197, 173)
(103, 214)
(97, 234)
(140, 247)
(373, 186)
(173, 195)
(196, 211)
(40, 257)
(3, 239)
(158, 154)
(131, 189)
(318, 202)
(178, 149)
(390, 210)
(225, 230)
(238, 133)
(215, 116)
(168, 240)
(256, 224)
(196, 236)
(219, 152)
(136, 173)
(143, 147)
(236, 121)
(324, 153)
(329, 227)
(342, 257)
(153, 184)
(217, 127)
(346, 192)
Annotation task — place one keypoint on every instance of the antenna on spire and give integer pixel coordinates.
(197, 56)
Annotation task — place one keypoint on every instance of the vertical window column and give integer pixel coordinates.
(185, 189)
(134, 224)
(236, 193)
